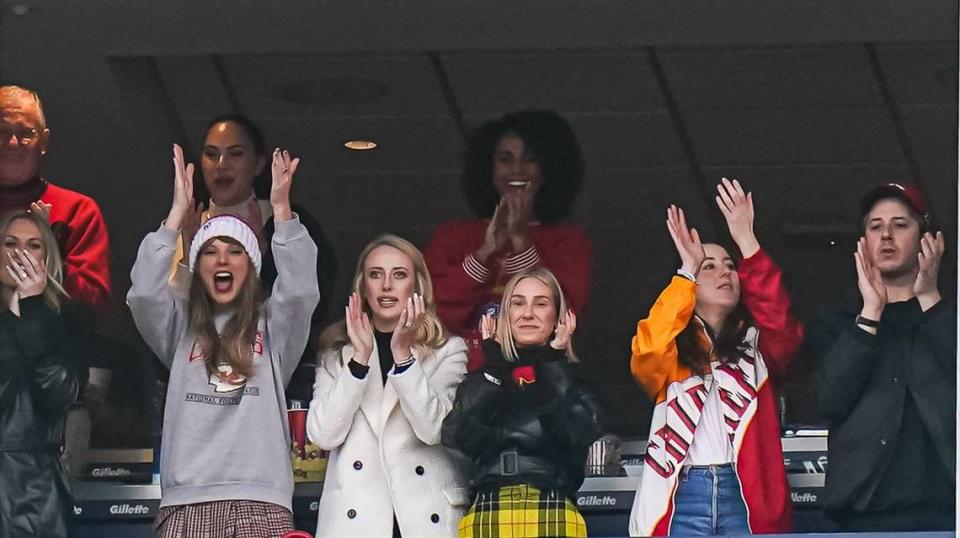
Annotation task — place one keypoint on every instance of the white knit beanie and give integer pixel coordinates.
(226, 226)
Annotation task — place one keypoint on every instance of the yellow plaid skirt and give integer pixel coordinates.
(521, 511)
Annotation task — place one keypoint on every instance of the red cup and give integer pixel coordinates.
(297, 418)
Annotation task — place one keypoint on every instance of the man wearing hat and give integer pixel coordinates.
(885, 376)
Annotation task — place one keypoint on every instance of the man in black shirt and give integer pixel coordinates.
(885, 377)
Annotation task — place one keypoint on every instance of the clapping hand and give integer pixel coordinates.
(737, 209)
(282, 169)
(925, 286)
(359, 329)
(519, 205)
(41, 208)
(870, 282)
(182, 190)
(495, 237)
(404, 335)
(566, 324)
(508, 225)
(687, 241)
(488, 327)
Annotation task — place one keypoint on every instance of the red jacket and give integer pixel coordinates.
(82, 234)
(747, 389)
(463, 288)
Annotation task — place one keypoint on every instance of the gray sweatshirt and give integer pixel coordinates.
(225, 437)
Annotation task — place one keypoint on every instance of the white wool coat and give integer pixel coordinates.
(384, 443)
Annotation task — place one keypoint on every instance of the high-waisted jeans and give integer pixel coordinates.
(708, 502)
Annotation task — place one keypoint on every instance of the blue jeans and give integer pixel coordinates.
(708, 502)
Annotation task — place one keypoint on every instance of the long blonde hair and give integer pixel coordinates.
(234, 346)
(53, 291)
(431, 333)
(505, 335)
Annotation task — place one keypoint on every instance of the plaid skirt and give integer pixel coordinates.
(223, 519)
(521, 511)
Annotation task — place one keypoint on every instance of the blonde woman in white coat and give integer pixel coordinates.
(387, 377)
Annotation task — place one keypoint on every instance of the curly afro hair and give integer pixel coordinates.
(551, 140)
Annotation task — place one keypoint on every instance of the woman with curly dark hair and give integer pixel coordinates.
(521, 175)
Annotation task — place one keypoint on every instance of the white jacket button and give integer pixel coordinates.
(419, 470)
(358, 465)
(351, 513)
(435, 518)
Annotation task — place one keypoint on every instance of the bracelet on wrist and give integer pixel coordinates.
(867, 322)
(687, 275)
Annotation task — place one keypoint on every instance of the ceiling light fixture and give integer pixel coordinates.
(360, 145)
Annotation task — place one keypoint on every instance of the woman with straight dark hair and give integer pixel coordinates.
(711, 354)
(38, 384)
(521, 175)
(225, 456)
(523, 419)
(387, 378)
(232, 164)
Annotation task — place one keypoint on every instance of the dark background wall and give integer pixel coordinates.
(808, 103)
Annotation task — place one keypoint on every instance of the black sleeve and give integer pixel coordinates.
(938, 332)
(471, 426)
(843, 356)
(301, 383)
(39, 335)
(326, 262)
(575, 420)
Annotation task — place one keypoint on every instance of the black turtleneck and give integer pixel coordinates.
(384, 351)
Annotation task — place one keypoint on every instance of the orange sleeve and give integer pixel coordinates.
(654, 362)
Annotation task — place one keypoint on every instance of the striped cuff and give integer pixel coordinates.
(524, 260)
(475, 269)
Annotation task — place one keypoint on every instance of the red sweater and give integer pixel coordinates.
(464, 289)
(81, 233)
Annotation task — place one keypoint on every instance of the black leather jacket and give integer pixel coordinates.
(37, 387)
(532, 433)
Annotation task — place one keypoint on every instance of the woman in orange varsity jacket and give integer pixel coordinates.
(711, 352)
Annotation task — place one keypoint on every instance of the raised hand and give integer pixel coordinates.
(404, 335)
(182, 190)
(359, 330)
(566, 324)
(488, 327)
(29, 273)
(188, 228)
(520, 205)
(870, 282)
(687, 241)
(495, 237)
(282, 169)
(42, 209)
(925, 287)
(737, 209)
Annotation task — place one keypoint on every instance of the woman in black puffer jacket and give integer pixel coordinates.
(37, 384)
(523, 420)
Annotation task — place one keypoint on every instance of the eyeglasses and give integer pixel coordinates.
(22, 134)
